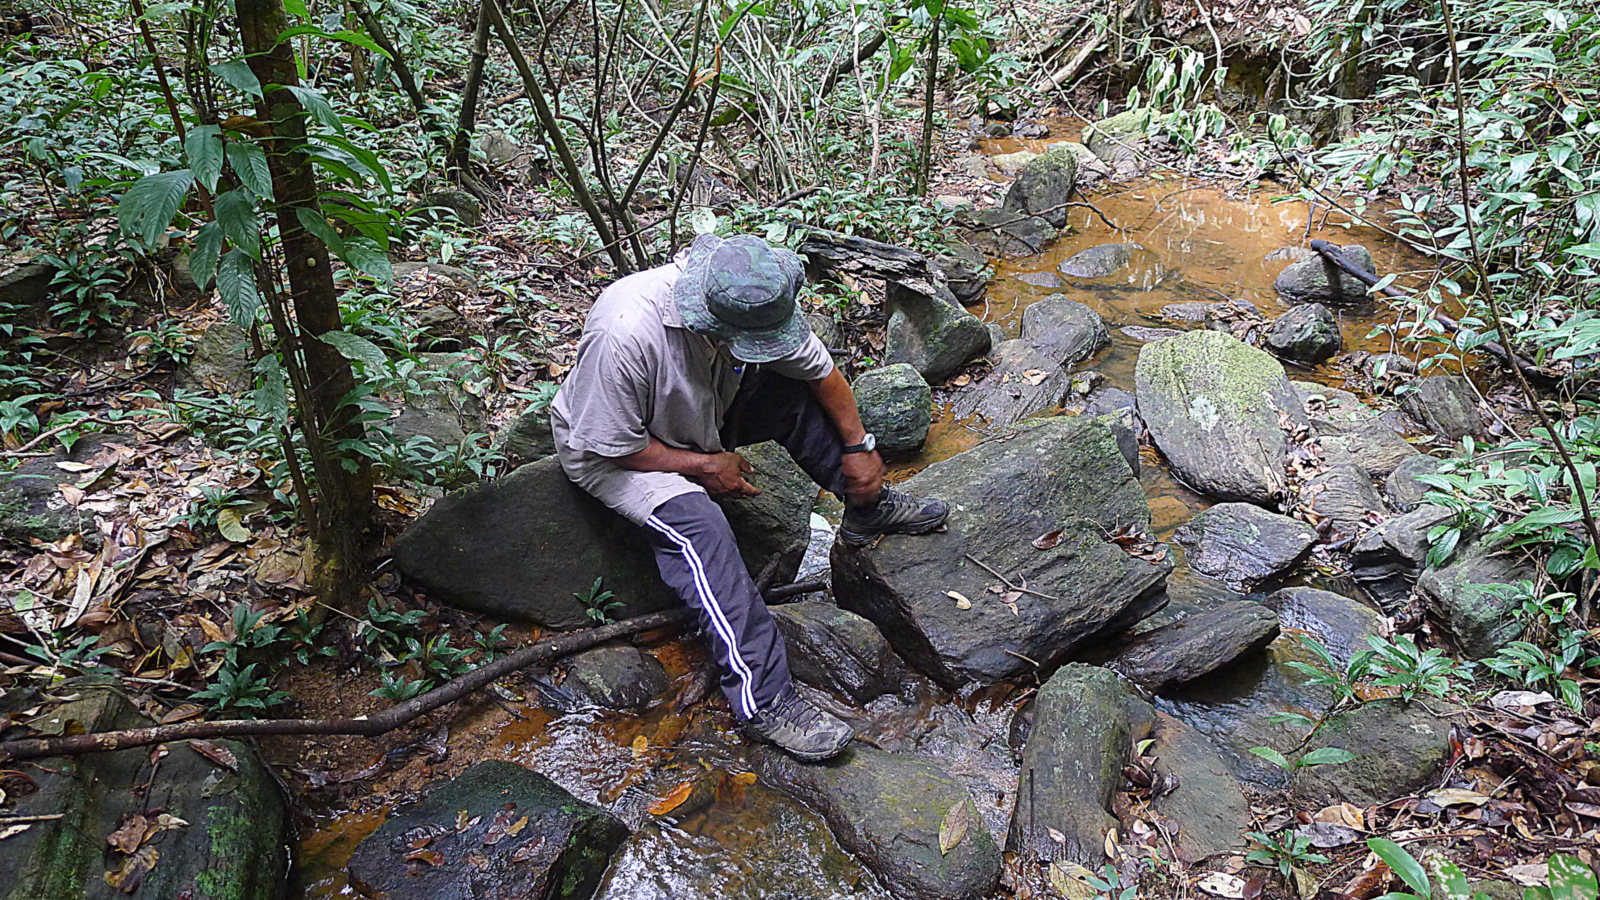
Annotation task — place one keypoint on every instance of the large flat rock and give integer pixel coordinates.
(1468, 597)
(1208, 805)
(1244, 545)
(1022, 382)
(1063, 474)
(1197, 646)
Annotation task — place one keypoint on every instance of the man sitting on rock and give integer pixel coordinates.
(677, 366)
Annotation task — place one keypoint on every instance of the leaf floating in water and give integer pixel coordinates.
(672, 800)
(954, 827)
(961, 600)
(1047, 541)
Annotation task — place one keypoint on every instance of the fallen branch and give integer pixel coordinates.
(784, 592)
(370, 725)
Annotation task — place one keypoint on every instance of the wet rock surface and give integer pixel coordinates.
(1044, 186)
(1388, 560)
(1063, 474)
(1084, 727)
(1208, 805)
(965, 271)
(933, 334)
(1098, 262)
(1346, 497)
(525, 837)
(1307, 334)
(1446, 405)
(886, 809)
(896, 406)
(616, 676)
(1065, 331)
(1196, 646)
(998, 232)
(1244, 545)
(838, 651)
(1340, 624)
(1316, 280)
(547, 532)
(1213, 407)
(1467, 597)
(1402, 489)
(1040, 279)
(1399, 748)
(1022, 382)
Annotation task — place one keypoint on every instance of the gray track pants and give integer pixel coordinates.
(695, 549)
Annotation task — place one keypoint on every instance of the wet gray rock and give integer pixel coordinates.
(837, 650)
(1084, 727)
(825, 328)
(1064, 330)
(1315, 280)
(1289, 254)
(220, 363)
(1244, 545)
(997, 336)
(1467, 597)
(1346, 497)
(1063, 474)
(1022, 382)
(463, 206)
(1388, 559)
(932, 333)
(1145, 335)
(1366, 442)
(1044, 186)
(1399, 748)
(1114, 408)
(1208, 805)
(1340, 624)
(1100, 261)
(1307, 334)
(530, 436)
(31, 505)
(886, 809)
(1446, 405)
(965, 271)
(560, 851)
(1119, 139)
(1212, 404)
(1402, 489)
(1039, 279)
(1013, 162)
(1196, 646)
(616, 676)
(234, 830)
(897, 406)
(1003, 232)
(481, 548)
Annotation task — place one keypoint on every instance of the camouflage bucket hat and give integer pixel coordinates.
(742, 292)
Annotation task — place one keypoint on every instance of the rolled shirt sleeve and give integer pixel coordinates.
(811, 362)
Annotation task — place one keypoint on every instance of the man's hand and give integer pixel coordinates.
(722, 474)
(863, 477)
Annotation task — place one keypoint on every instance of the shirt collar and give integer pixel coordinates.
(668, 307)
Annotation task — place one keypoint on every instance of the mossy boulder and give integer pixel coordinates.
(887, 809)
(1388, 559)
(1213, 405)
(897, 406)
(1346, 497)
(1044, 186)
(1062, 480)
(220, 362)
(1468, 597)
(1307, 335)
(464, 207)
(1004, 232)
(1244, 545)
(530, 436)
(226, 840)
(966, 271)
(1403, 489)
(616, 676)
(931, 332)
(525, 837)
(1446, 405)
(1316, 280)
(1399, 748)
(1118, 139)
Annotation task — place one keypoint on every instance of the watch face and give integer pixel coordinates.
(871, 442)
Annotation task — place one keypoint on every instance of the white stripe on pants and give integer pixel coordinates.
(719, 619)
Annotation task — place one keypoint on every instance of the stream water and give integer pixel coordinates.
(1205, 242)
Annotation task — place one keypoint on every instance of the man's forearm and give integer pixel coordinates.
(659, 457)
(839, 402)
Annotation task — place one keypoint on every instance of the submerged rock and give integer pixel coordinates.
(1100, 261)
(525, 837)
(1039, 279)
(887, 809)
(1307, 334)
(1399, 749)
(1064, 330)
(1316, 280)
(487, 547)
(1197, 645)
(837, 650)
(1044, 186)
(933, 334)
(1084, 727)
(1022, 382)
(1213, 406)
(1145, 334)
(1345, 496)
(897, 406)
(1207, 803)
(1060, 475)
(1446, 405)
(1388, 559)
(1244, 545)
(1469, 597)
(617, 676)
(227, 838)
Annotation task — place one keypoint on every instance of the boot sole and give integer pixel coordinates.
(857, 539)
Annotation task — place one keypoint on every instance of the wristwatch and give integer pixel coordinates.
(867, 445)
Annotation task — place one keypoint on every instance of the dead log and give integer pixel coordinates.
(860, 257)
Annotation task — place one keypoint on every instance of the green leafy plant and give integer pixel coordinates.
(1570, 878)
(1110, 885)
(1322, 756)
(1401, 664)
(1286, 851)
(241, 688)
(599, 604)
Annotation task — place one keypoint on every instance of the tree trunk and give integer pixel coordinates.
(468, 121)
(925, 152)
(344, 479)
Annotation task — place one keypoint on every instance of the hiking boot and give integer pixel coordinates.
(895, 513)
(800, 729)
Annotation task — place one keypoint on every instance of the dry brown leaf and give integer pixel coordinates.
(135, 829)
(131, 873)
(954, 826)
(672, 800)
(431, 857)
(1221, 884)
(217, 753)
(1047, 541)
(641, 746)
(1071, 880)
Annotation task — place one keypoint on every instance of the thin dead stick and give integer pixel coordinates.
(375, 724)
(1008, 583)
(1070, 204)
(13, 820)
(786, 591)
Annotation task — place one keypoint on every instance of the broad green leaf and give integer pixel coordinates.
(147, 208)
(238, 75)
(272, 395)
(364, 255)
(313, 222)
(347, 37)
(236, 282)
(203, 255)
(354, 347)
(1326, 756)
(1571, 879)
(1451, 879)
(1402, 863)
(317, 106)
(1592, 251)
(1274, 757)
(230, 524)
(295, 8)
(204, 149)
(249, 162)
(236, 213)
